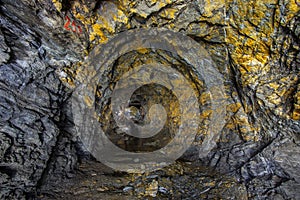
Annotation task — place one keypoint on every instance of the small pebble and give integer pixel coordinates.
(163, 190)
(152, 176)
(152, 189)
(127, 189)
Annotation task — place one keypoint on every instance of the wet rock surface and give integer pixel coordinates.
(255, 45)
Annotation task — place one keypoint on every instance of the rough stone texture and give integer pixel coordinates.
(255, 45)
(33, 46)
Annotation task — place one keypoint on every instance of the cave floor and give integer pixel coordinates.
(182, 180)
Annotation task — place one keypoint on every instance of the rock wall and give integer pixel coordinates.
(255, 45)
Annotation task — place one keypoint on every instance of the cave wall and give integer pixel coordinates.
(255, 45)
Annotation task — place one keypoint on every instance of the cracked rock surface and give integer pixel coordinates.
(256, 48)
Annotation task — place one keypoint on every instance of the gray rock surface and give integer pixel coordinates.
(258, 154)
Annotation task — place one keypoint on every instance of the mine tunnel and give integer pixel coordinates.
(149, 99)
